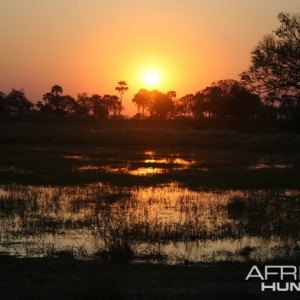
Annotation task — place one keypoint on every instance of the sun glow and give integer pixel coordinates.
(152, 72)
(152, 78)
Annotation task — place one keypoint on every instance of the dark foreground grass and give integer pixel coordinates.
(69, 279)
(35, 153)
(128, 133)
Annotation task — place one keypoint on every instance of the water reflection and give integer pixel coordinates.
(153, 164)
(88, 168)
(270, 166)
(156, 161)
(76, 157)
(176, 161)
(168, 219)
(268, 163)
(145, 171)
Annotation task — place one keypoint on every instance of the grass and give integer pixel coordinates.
(128, 133)
(159, 223)
(46, 158)
(114, 240)
(41, 153)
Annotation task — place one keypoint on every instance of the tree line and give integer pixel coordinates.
(268, 90)
(225, 98)
(56, 104)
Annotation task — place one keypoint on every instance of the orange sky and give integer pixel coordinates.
(89, 45)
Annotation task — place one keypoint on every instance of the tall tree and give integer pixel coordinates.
(275, 64)
(113, 104)
(162, 104)
(142, 100)
(94, 106)
(226, 98)
(53, 97)
(121, 89)
(68, 106)
(17, 104)
(184, 104)
(58, 104)
(84, 101)
(200, 107)
(99, 107)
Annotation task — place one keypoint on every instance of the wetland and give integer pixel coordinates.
(120, 212)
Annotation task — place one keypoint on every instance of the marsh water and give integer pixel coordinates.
(162, 204)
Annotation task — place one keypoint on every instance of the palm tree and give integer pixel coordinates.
(121, 88)
(53, 98)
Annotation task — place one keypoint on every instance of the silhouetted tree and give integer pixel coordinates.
(16, 103)
(226, 98)
(155, 102)
(200, 108)
(272, 99)
(58, 104)
(68, 106)
(142, 100)
(52, 100)
(113, 104)
(85, 103)
(212, 101)
(240, 102)
(184, 105)
(99, 107)
(287, 107)
(275, 64)
(162, 104)
(56, 90)
(95, 105)
(172, 95)
(2, 103)
(121, 89)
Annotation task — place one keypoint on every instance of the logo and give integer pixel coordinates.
(276, 278)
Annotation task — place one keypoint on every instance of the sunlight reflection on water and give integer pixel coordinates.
(76, 157)
(269, 166)
(88, 168)
(145, 171)
(145, 167)
(186, 224)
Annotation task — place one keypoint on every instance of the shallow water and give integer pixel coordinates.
(183, 224)
(177, 205)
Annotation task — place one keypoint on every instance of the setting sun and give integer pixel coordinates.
(152, 78)
(149, 149)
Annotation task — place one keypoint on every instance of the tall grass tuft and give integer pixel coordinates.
(115, 241)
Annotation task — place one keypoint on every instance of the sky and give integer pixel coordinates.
(90, 45)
